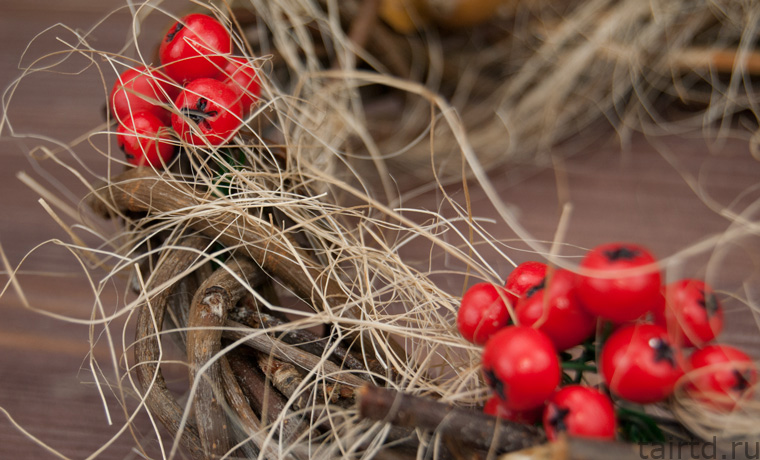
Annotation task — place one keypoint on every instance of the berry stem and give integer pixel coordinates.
(472, 428)
(578, 366)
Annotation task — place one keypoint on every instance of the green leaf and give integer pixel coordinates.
(221, 257)
(578, 366)
(638, 426)
(234, 160)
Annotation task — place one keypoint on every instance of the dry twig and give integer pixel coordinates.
(150, 320)
(303, 339)
(288, 353)
(264, 398)
(471, 428)
(140, 189)
(207, 315)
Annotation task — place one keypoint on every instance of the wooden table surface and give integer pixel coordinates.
(46, 383)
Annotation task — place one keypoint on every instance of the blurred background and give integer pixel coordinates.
(668, 192)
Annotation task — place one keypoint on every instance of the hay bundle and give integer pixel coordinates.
(543, 72)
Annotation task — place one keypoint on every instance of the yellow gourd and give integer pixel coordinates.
(406, 16)
(462, 13)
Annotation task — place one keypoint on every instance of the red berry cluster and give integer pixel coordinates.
(619, 286)
(199, 94)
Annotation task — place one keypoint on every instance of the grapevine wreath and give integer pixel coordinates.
(250, 154)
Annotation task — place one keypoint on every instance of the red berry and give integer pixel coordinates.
(142, 89)
(521, 366)
(145, 140)
(615, 295)
(658, 311)
(524, 277)
(241, 76)
(692, 313)
(196, 46)
(721, 376)
(639, 364)
(494, 406)
(555, 311)
(208, 111)
(580, 411)
(482, 313)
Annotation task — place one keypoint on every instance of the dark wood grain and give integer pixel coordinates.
(45, 377)
(45, 380)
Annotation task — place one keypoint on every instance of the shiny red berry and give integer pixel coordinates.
(496, 407)
(196, 46)
(145, 140)
(241, 75)
(614, 292)
(721, 376)
(208, 111)
(525, 276)
(521, 366)
(553, 309)
(142, 89)
(580, 411)
(482, 313)
(639, 363)
(692, 314)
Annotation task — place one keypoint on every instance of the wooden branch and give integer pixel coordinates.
(303, 339)
(235, 397)
(208, 311)
(286, 378)
(470, 427)
(140, 189)
(158, 398)
(178, 307)
(263, 343)
(247, 419)
(719, 59)
(207, 314)
(265, 399)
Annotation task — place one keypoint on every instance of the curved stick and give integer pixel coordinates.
(208, 311)
(248, 420)
(158, 398)
(270, 346)
(140, 189)
(302, 338)
(264, 398)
